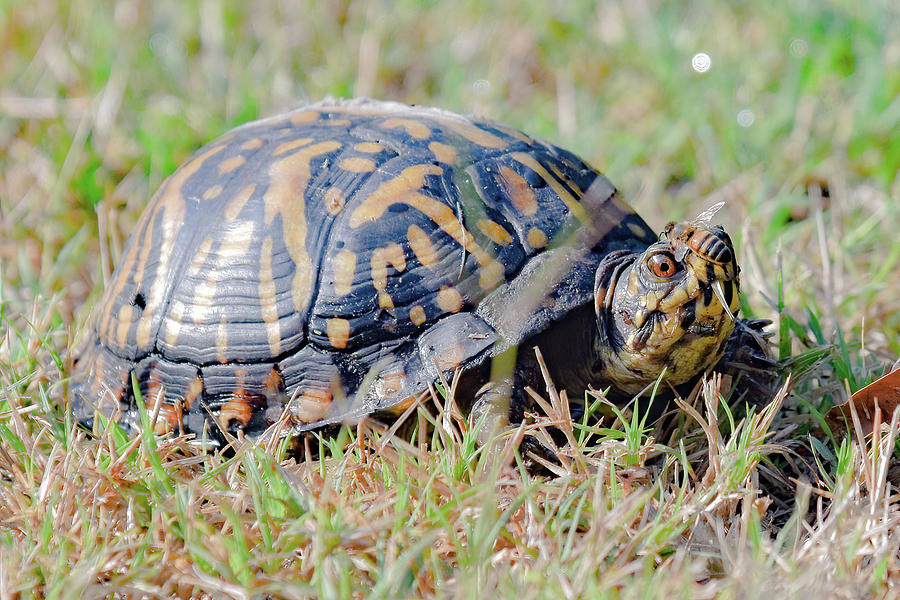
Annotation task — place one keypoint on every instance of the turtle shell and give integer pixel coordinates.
(335, 259)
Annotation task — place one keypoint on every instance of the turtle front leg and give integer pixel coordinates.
(501, 403)
(746, 357)
(491, 408)
(500, 406)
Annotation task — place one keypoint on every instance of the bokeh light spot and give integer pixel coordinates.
(701, 62)
(799, 48)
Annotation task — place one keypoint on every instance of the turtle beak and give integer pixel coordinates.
(720, 294)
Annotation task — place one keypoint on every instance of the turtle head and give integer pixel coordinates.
(670, 307)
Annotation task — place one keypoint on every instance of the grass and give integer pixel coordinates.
(795, 124)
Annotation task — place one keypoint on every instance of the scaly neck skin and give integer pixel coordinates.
(569, 351)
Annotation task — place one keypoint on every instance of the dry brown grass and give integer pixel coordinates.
(432, 516)
(98, 104)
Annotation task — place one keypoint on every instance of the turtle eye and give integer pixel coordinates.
(662, 265)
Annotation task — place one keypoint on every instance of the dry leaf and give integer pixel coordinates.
(878, 400)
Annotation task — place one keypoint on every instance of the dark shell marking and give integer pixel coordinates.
(336, 255)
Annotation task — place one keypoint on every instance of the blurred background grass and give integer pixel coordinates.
(795, 123)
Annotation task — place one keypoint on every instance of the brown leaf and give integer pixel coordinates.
(876, 401)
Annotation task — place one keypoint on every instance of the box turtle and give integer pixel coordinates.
(331, 262)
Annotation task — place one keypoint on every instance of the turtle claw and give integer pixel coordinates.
(746, 357)
(536, 457)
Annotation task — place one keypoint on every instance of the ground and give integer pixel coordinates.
(789, 112)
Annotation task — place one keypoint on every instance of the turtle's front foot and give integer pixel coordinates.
(491, 409)
(746, 358)
(498, 409)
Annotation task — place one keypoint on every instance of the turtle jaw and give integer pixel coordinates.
(651, 325)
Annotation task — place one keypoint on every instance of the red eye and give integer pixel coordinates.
(662, 265)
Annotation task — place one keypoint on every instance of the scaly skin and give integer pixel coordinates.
(651, 324)
(677, 323)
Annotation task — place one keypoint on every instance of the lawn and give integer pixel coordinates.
(789, 112)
